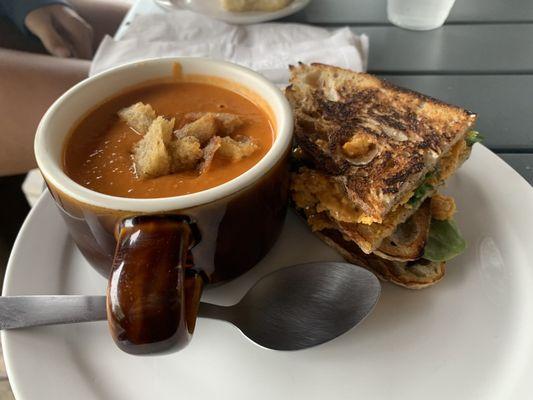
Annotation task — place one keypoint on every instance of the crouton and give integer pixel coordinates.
(162, 152)
(237, 148)
(209, 153)
(185, 152)
(150, 153)
(139, 116)
(203, 128)
(226, 123)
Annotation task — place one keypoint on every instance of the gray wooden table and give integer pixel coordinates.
(482, 59)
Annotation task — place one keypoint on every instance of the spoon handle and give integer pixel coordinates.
(212, 311)
(25, 311)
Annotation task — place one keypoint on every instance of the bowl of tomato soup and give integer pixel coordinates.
(171, 174)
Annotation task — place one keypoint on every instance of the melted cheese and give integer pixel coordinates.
(358, 145)
(314, 191)
(449, 162)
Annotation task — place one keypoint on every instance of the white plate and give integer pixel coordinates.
(469, 337)
(213, 9)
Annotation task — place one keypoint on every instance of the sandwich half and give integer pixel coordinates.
(369, 159)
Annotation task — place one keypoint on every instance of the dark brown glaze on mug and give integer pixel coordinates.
(153, 291)
(236, 232)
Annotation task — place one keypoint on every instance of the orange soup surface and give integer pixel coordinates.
(98, 152)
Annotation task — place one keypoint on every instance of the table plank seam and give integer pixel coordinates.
(450, 72)
(500, 150)
(377, 24)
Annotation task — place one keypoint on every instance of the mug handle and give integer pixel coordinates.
(153, 292)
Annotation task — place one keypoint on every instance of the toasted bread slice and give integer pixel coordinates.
(412, 275)
(378, 139)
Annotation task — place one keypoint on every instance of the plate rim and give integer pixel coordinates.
(4, 335)
(244, 18)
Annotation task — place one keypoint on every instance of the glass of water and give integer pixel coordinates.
(420, 15)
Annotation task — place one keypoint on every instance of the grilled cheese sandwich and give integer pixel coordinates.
(370, 156)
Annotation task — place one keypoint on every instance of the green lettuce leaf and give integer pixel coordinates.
(419, 194)
(473, 137)
(444, 241)
(421, 191)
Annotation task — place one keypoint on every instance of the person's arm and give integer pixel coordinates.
(17, 10)
(62, 31)
(30, 83)
(58, 26)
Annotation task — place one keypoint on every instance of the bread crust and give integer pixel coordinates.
(407, 242)
(408, 275)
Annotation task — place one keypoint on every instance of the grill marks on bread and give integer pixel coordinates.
(410, 131)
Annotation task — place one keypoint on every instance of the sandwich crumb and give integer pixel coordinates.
(442, 207)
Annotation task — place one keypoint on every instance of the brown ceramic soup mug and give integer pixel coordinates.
(157, 253)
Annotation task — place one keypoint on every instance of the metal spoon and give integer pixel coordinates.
(290, 309)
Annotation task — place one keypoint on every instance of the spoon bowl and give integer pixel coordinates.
(303, 305)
